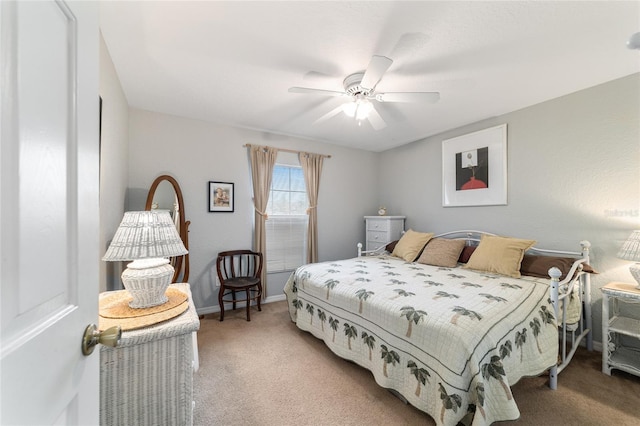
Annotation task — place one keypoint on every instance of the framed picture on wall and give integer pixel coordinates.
(220, 196)
(474, 168)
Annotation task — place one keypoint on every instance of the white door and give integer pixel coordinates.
(49, 164)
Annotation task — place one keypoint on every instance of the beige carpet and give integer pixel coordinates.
(267, 372)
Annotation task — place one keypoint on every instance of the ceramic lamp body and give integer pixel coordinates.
(630, 250)
(635, 272)
(147, 281)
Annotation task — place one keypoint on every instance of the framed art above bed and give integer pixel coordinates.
(474, 168)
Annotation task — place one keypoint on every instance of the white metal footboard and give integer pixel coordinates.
(379, 250)
(571, 335)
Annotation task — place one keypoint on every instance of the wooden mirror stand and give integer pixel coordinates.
(160, 198)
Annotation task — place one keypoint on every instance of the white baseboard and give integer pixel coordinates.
(278, 298)
(213, 309)
(597, 346)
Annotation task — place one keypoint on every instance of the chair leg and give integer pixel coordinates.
(259, 296)
(248, 306)
(221, 303)
(233, 294)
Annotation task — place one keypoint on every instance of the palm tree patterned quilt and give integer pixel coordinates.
(450, 340)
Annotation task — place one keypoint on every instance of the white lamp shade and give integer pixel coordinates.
(144, 235)
(630, 250)
(634, 41)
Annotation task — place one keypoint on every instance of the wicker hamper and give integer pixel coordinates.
(148, 378)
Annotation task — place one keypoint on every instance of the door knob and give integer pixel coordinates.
(109, 337)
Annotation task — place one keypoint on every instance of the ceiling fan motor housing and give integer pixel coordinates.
(352, 85)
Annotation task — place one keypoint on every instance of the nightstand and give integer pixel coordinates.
(148, 378)
(614, 353)
(381, 230)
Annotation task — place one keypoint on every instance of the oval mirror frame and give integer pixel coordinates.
(180, 263)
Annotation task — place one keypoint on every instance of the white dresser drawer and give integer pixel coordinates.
(377, 236)
(374, 245)
(381, 230)
(378, 225)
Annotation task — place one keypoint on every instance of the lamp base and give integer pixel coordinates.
(635, 272)
(147, 281)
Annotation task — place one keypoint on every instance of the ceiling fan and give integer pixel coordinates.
(361, 88)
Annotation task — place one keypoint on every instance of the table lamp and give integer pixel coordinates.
(634, 41)
(147, 238)
(630, 250)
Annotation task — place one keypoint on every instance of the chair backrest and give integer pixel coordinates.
(239, 263)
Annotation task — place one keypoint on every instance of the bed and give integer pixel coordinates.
(452, 339)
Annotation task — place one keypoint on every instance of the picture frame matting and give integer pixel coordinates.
(221, 196)
(474, 168)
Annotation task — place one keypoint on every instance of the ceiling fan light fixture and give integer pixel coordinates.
(359, 108)
(364, 108)
(350, 109)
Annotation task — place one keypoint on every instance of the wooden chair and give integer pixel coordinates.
(239, 270)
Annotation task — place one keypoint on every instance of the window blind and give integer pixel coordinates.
(286, 242)
(287, 223)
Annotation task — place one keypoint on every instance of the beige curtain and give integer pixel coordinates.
(262, 161)
(312, 168)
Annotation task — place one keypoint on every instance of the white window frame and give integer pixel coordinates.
(286, 233)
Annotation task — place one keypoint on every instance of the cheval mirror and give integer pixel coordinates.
(165, 194)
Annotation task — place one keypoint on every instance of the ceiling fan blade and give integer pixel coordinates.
(376, 120)
(377, 67)
(329, 115)
(316, 91)
(431, 97)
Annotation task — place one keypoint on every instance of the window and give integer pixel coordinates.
(286, 226)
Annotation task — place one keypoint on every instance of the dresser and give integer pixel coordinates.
(148, 378)
(381, 230)
(616, 327)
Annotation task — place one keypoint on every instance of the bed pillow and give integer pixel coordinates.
(502, 255)
(410, 245)
(442, 252)
(392, 245)
(538, 266)
(467, 251)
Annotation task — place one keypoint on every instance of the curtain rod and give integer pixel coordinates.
(289, 150)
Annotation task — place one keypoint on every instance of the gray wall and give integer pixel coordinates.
(573, 174)
(114, 164)
(196, 152)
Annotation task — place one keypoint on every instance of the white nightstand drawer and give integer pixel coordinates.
(374, 245)
(378, 225)
(378, 236)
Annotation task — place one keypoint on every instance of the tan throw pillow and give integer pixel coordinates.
(442, 252)
(410, 245)
(502, 255)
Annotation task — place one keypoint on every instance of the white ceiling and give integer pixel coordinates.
(232, 62)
